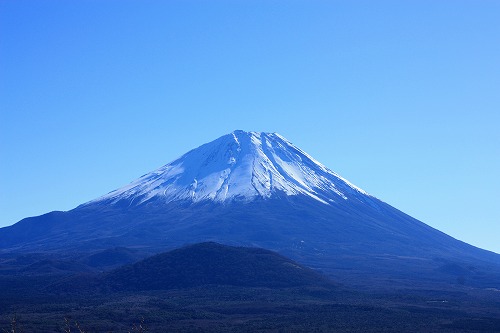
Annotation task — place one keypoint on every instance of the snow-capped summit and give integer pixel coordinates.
(238, 166)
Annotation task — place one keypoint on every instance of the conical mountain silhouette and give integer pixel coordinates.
(258, 189)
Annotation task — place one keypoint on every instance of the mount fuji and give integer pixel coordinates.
(259, 189)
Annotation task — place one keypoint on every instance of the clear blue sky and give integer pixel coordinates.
(400, 97)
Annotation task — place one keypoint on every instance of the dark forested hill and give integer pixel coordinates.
(212, 263)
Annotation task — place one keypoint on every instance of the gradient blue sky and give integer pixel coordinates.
(400, 97)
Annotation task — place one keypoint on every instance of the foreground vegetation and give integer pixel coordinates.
(213, 288)
(69, 326)
(238, 309)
